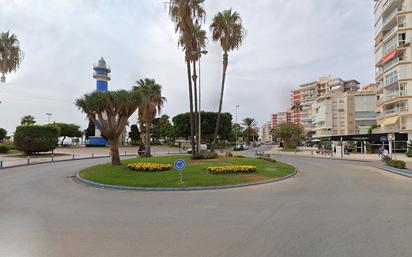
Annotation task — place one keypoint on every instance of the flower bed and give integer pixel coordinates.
(149, 167)
(222, 170)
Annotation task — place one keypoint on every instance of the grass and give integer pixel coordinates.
(195, 174)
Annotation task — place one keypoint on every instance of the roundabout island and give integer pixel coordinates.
(159, 173)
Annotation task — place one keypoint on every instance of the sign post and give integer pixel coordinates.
(180, 166)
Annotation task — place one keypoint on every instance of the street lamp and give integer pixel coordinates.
(237, 106)
(204, 52)
(48, 117)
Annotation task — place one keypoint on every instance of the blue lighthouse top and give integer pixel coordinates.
(102, 75)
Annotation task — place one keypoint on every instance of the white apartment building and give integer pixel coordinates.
(344, 113)
(393, 27)
(266, 131)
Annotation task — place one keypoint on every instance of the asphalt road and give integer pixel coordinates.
(332, 208)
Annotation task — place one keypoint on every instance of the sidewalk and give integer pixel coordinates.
(311, 152)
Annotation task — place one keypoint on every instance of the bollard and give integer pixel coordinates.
(92, 155)
(125, 154)
(28, 160)
(311, 152)
(52, 158)
(1, 164)
(73, 157)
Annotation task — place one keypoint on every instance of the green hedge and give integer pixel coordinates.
(395, 163)
(35, 139)
(5, 148)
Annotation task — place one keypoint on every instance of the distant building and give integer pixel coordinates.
(307, 93)
(266, 131)
(280, 118)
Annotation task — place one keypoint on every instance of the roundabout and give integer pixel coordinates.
(187, 175)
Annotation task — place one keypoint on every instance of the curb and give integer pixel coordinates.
(323, 158)
(406, 173)
(86, 182)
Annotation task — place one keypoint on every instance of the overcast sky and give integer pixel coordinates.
(289, 42)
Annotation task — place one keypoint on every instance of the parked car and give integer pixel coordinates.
(203, 147)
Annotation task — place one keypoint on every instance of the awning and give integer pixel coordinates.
(391, 121)
(388, 57)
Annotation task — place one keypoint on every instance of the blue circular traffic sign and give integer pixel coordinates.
(180, 164)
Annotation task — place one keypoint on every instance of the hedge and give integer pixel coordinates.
(4, 148)
(149, 167)
(222, 170)
(35, 139)
(394, 163)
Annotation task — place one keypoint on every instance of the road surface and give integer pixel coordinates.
(332, 208)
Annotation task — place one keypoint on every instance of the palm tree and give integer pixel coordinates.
(297, 106)
(151, 104)
(250, 128)
(185, 14)
(226, 28)
(28, 120)
(10, 54)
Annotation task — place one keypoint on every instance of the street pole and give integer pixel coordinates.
(237, 106)
(200, 97)
(48, 117)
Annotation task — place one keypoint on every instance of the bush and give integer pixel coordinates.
(4, 148)
(265, 158)
(35, 139)
(222, 170)
(239, 156)
(394, 163)
(205, 155)
(149, 167)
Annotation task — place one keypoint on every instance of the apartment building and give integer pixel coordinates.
(393, 52)
(307, 93)
(280, 118)
(344, 113)
(266, 131)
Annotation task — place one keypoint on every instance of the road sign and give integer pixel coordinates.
(383, 139)
(391, 137)
(180, 165)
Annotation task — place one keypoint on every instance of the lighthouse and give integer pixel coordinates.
(102, 76)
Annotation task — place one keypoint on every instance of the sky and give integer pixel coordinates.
(288, 43)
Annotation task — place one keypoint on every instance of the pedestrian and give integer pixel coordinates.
(380, 151)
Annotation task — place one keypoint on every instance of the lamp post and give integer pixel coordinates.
(237, 106)
(204, 52)
(48, 117)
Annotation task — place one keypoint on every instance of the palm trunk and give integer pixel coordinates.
(192, 127)
(225, 64)
(114, 151)
(147, 139)
(194, 77)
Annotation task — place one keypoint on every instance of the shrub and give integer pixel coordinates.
(397, 164)
(205, 155)
(222, 170)
(149, 167)
(4, 148)
(265, 158)
(34, 139)
(239, 156)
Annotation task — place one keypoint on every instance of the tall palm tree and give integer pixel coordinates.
(250, 128)
(151, 104)
(185, 14)
(10, 54)
(226, 28)
(28, 120)
(297, 106)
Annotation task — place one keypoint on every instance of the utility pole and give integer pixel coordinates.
(237, 106)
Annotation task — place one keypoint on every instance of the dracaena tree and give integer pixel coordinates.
(10, 54)
(227, 29)
(110, 111)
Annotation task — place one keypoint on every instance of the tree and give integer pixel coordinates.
(181, 125)
(226, 28)
(10, 54)
(110, 111)
(28, 120)
(185, 14)
(290, 133)
(134, 134)
(68, 130)
(3, 134)
(250, 130)
(151, 103)
(90, 131)
(35, 139)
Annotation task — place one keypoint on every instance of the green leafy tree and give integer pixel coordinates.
(10, 54)
(185, 14)
(3, 134)
(226, 28)
(117, 106)
(68, 130)
(134, 134)
(28, 120)
(290, 133)
(151, 103)
(35, 139)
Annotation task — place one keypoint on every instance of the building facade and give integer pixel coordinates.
(393, 52)
(266, 131)
(280, 118)
(307, 93)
